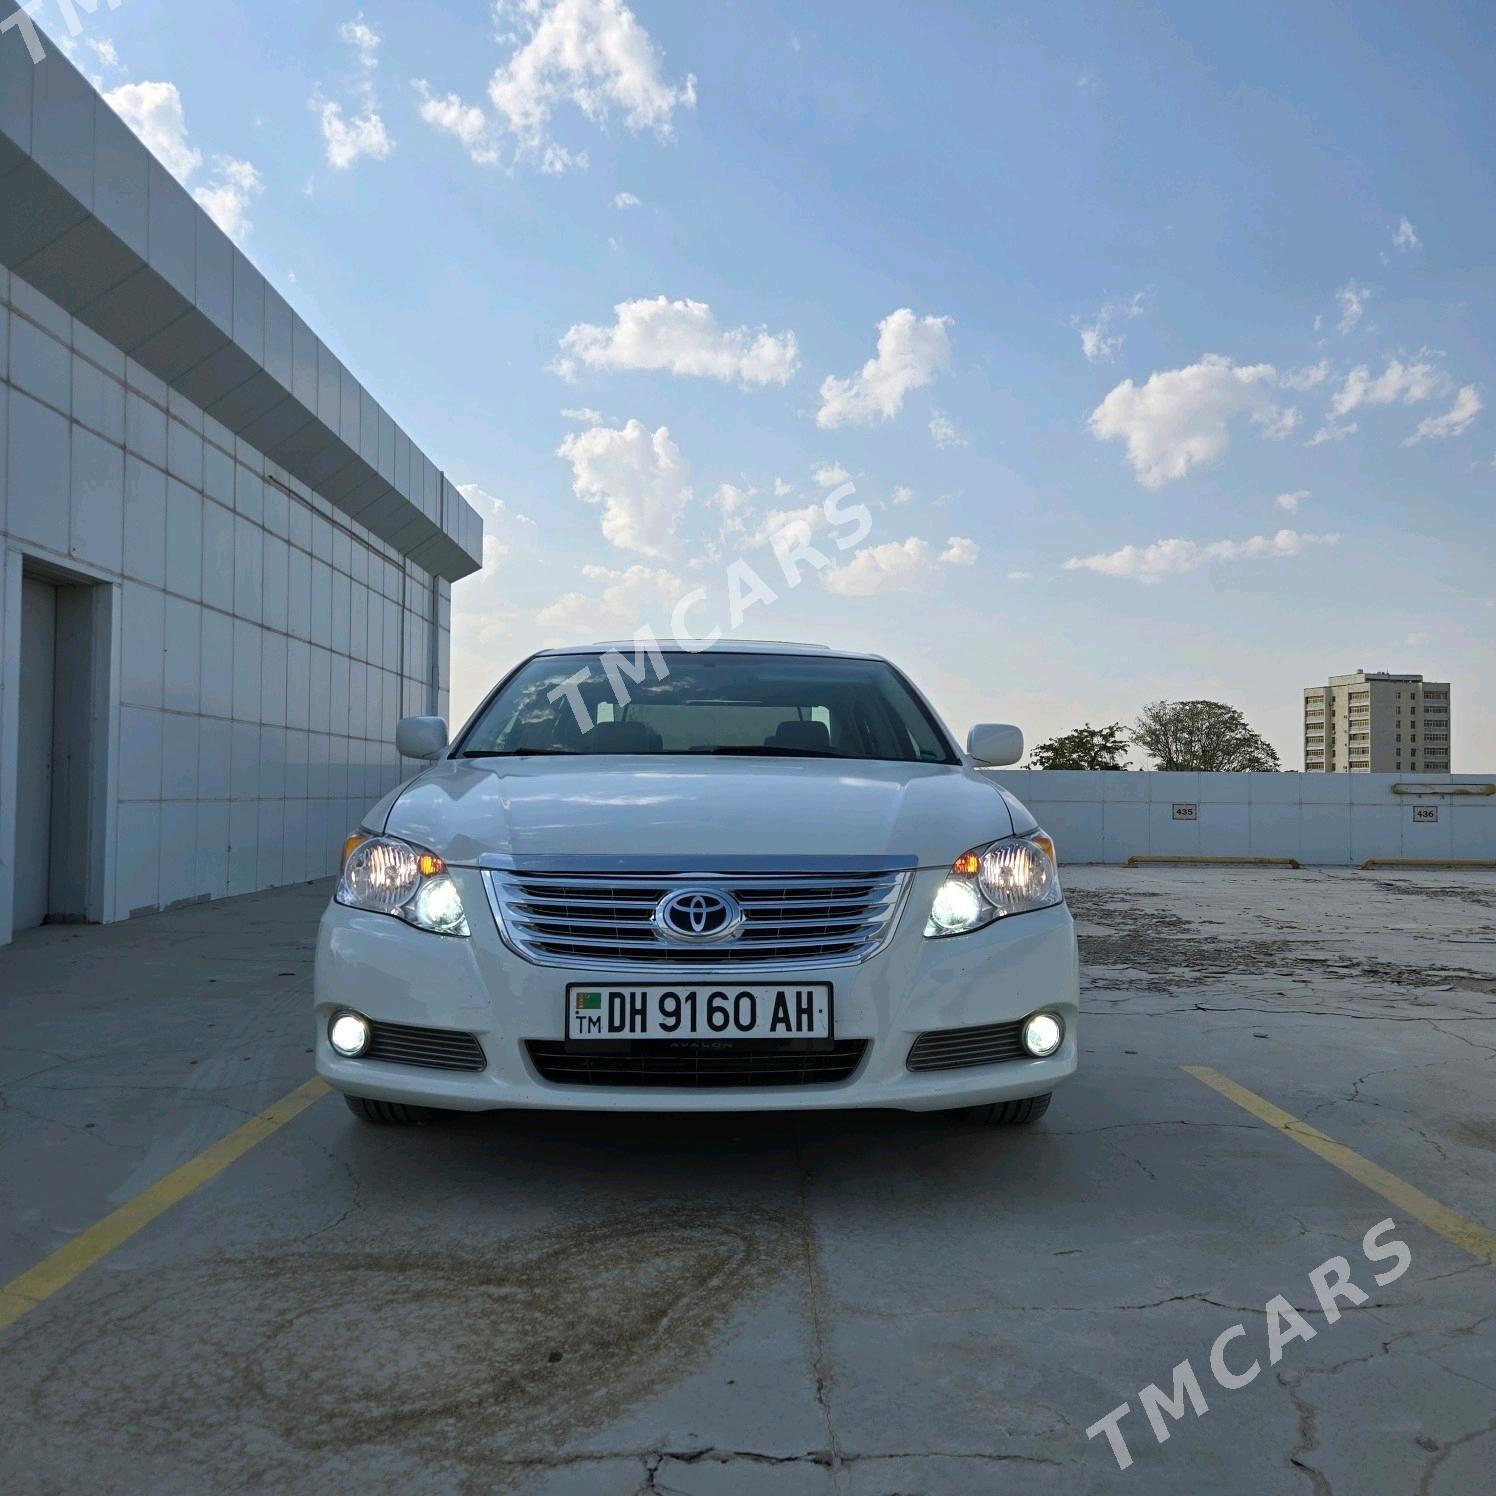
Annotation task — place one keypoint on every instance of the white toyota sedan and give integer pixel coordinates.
(746, 877)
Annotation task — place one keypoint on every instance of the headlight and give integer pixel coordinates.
(387, 876)
(1005, 877)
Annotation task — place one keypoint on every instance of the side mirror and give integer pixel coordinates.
(421, 737)
(995, 743)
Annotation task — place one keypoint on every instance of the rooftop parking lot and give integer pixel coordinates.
(862, 1303)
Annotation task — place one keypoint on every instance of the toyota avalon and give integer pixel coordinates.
(706, 879)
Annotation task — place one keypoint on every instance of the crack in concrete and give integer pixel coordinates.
(819, 1365)
(1084, 1132)
(991, 1307)
(1308, 1432)
(822, 1459)
(1425, 1484)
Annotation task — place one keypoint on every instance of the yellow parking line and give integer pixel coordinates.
(1476, 1240)
(39, 1283)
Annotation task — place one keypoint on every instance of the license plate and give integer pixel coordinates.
(687, 1011)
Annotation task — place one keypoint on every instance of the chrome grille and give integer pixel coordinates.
(605, 919)
(955, 1049)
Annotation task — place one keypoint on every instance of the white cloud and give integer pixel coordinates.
(625, 200)
(783, 529)
(1306, 378)
(590, 53)
(896, 566)
(734, 502)
(364, 40)
(502, 527)
(624, 597)
(1406, 236)
(902, 494)
(1291, 501)
(781, 488)
(831, 475)
(1352, 299)
(1181, 417)
(911, 351)
(347, 139)
(1407, 383)
(959, 551)
(1097, 340)
(226, 195)
(583, 414)
(681, 337)
(466, 123)
(1467, 405)
(640, 478)
(1330, 432)
(1020, 576)
(943, 430)
(154, 112)
(1167, 558)
(104, 50)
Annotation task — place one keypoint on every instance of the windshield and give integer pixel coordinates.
(760, 705)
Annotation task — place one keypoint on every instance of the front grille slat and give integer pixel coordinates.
(434, 1049)
(605, 920)
(955, 1049)
(686, 1067)
(625, 938)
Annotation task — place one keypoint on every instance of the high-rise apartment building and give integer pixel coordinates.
(1377, 723)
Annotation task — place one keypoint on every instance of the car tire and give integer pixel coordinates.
(1008, 1113)
(388, 1113)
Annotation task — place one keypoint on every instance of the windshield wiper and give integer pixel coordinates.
(516, 752)
(766, 750)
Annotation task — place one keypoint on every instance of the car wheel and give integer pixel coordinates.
(394, 1113)
(1008, 1113)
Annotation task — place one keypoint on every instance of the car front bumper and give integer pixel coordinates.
(393, 973)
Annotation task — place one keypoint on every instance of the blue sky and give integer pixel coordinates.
(1195, 298)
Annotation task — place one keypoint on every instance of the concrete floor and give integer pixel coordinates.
(871, 1303)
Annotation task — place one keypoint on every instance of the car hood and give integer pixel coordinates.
(718, 807)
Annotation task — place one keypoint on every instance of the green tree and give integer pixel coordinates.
(1205, 735)
(1083, 748)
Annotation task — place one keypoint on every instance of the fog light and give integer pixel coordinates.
(1042, 1034)
(348, 1033)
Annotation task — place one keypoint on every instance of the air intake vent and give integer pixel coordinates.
(954, 1049)
(436, 1049)
(697, 1066)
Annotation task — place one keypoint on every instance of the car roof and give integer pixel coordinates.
(723, 646)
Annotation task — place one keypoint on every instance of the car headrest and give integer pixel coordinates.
(621, 737)
(797, 734)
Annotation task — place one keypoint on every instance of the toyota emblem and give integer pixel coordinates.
(698, 915)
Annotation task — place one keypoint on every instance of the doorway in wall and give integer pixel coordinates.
(58, 831)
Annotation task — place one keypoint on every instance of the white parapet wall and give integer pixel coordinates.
(1333, 820)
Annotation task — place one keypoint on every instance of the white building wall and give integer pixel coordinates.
(264, 643)
(1329, 819)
